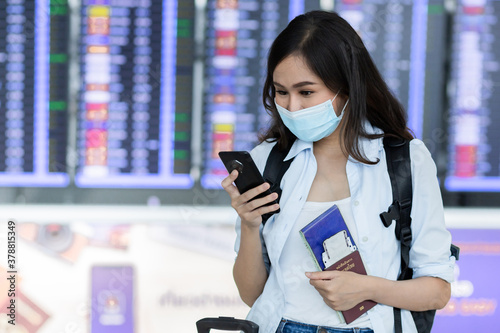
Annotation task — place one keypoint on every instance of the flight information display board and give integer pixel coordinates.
(136, 94)
(239, 33)
(33, 93)
(238, 36)
(474, 138)
(395, 33)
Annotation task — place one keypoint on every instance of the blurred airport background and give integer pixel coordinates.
(112, 113)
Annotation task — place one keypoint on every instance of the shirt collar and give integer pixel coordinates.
(297, 147)
(371, 148)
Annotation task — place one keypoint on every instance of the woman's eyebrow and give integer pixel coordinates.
(296, 85)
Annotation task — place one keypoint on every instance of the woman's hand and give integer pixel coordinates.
(340, 290)
(343, 290)
(250, 211)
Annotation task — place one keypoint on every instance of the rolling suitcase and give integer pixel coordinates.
(226, 324)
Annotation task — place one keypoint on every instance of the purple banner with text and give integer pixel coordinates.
(475, 298)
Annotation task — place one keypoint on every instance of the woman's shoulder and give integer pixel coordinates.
(418, 149)
(420, 156)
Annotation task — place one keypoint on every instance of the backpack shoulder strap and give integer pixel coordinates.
(397, 153)
(274, 171)
(399, 168)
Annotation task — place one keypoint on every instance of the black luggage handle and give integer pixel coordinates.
(227, 324)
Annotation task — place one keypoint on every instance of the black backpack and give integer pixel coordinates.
(399, 168)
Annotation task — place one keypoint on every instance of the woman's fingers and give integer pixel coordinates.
(248, 209)
(256, 203)
(227, 184)
(252, 193)
(255, 215)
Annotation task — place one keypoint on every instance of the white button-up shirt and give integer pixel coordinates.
(371, 194)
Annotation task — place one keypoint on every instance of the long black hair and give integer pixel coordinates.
(333, 50)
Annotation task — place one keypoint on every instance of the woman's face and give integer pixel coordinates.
(297, 87)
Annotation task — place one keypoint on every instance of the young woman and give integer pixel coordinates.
(329, 103)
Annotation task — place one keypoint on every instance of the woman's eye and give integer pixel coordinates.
(281, 92)
(306, 92)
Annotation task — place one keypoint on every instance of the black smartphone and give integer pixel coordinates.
(249, 175)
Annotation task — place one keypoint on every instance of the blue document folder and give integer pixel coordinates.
(328, 238)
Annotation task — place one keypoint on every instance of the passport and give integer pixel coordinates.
(332, 247)
(353, 263)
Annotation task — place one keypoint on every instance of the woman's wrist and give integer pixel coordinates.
(249, 227)
(374, 287)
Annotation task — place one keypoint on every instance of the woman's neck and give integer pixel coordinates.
(329, 145)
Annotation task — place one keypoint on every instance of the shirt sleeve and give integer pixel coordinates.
(430, 250)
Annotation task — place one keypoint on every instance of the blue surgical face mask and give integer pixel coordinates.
(314, 123)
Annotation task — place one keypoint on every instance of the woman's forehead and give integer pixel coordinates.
(294, 69)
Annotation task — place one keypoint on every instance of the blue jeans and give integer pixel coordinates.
(289, 326)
